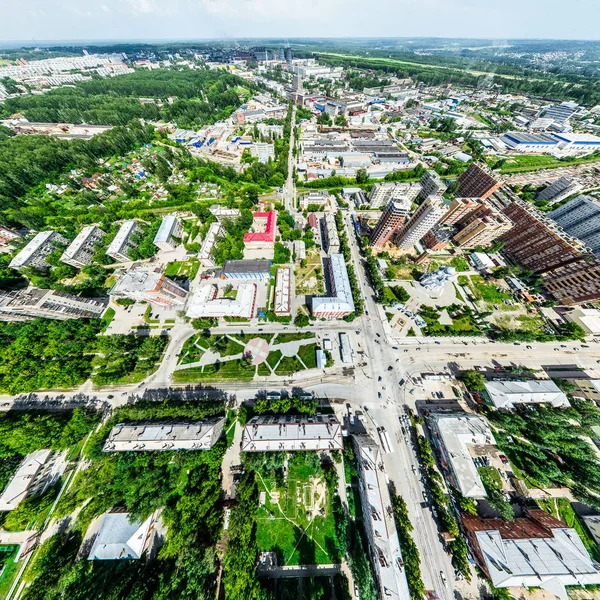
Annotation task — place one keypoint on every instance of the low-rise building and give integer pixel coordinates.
(222, 212)
(263, 152)
(22, 305)
(121, 539)
(558, 190)
(206, 250)
(149, 286)
(35, 252)
(331, 238)
(123, 241)
(532, 551)
(246, 269)
(7, 236)
(314, 198)
(169, 233)
(26, 479)
(378, 520)
(262, 235)
(437, 279)
(587, 318)
(80, 251)
(151, 436)
(299, 249)
(206, 302)
(276, 433)
(283, 292)
(454, 435)
(340, 303)
(507, 394)
(384, 193)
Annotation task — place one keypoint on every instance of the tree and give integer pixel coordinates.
(362, 176)
(324, 119)
(301, 321)
(473, 380)
(125, 301)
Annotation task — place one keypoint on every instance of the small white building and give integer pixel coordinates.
(24, 482)
(507, 394)
(206, 303)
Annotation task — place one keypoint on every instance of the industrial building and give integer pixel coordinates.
(27, 479)
(152, 436)
(205, 302)
(587, 318)
(121, 539)
(330, 235)
(149, 286)
(477, 181)
(282, 304)
(292, 432)
(530, 142)
(423, 220)
(390, 221)
(262, 235)
(80, 251)
(123, 241)
(384, 193)
(580, 218)
(535, 551)
(205, 255)
(508, 394)
(35, 252)
(340, 302)
(22, 305)
(169, 233)
(246, 269)
(558, 190)
(378, 520)
(263, 151)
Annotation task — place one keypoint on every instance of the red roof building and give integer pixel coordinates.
(263, 235)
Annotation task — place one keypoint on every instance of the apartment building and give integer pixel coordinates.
(283, 292)
(205, 255)
(459, 208)
(262, 236)
(422, 221)
(431, 185)
(314, 198)
(384, 193)
(27, 480)
(437, 238)
(391, 220)
(580, 218)
(22, 305)
(330, 235)
(246, 269)
(149, 286)
(340, 302)
(80, 251)
(35, 252)
(169, 233)
(481, 226)
(558, 190)
(477, 181)
(123, 241)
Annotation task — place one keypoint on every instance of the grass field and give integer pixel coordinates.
(9, 568)
(308, 355)
(187, 269)
(282, 338)
(296, 520)
(237, 370)
(288, 366)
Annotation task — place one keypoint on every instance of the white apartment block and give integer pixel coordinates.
(169, 230)
(330, 234)
(35, 252)
(81, 250)
(283, 292)
(314, 198)
(340, 303)
(205, 255)
(423, 219)
(122, 242)
(384, 193)
(25, 481)
(431, 185)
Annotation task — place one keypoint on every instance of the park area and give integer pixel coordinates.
(309, 274)
(206, 357)
(295, 518)
(183, 269)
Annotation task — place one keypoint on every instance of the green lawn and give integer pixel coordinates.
(288, 366)
(246, 337)
(185, 269)
(493, 474)
(228, 370)
(487, 291)
(460, 263)
(273, 358)
(308, 355)
(282, 338)
(10, 568)
(263, 370)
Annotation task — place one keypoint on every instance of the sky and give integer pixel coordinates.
(32, 20)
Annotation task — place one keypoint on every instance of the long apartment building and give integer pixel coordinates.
(80, 251)
(205, 255)
(35, 252)
(330, 234)
(149, 286)
(123, 241)
(282, 304)
(570, 272)
(168, 234)
(477, 181)
(422, 221)
(22, 305)
(384, 193)
(340, 302)
(378, 519)
(581, 218)
(391, 220)
(481, 226)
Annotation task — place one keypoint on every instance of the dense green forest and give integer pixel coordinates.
(200, 97)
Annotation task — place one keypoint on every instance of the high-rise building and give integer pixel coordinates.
(437, 238)
(459, 207)
(431, 185)
(558, 190)
(422, 221)
(123, 241)
(581, 218)
(392, 218)
(149, 286)
(288, 54)
(384, 193)
(481, 226)
(35, 252)
(477, 181)
(80, 251)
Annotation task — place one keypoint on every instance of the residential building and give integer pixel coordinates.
(477, 181)
(558, 190)
(121, 539)
(391, 220)
(205, 256)
(423, 220)
(532, 551)
(7, 236)
(123, 241)
(590, 390)
(206, 302)
(330, 234)
(80, 251)
(592, 523)
(262, 235)
(339, 303)
(580, 218)
(455, 436)
(507, 394)
(299, 249)
(459, 208)
(481, 227)
(384, 193)
(587, 318)
(315, 198)
(246, 269)
(437, 238)
(157, 436)
(431, 185)
(283, 292)
(378, 521)
(22, 305)
(169, 233)
(26, 480)
(35, 252)
(312, 221)
(280, 433)
(149, 286)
